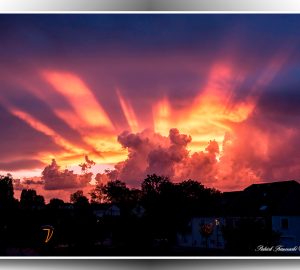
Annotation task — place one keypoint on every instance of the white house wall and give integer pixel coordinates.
(290, 237)
(195, 239)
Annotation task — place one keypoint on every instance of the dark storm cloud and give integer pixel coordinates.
(138, 33)
(21, 165)
(71, 33)
(204, 36)
(72, 42)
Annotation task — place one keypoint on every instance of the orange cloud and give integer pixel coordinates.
(211, 113)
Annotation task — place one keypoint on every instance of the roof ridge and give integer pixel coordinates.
(272, 183)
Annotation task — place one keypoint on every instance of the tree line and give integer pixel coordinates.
(167, 209)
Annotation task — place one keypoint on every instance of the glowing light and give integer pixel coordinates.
(208, 117)
(162, 116)
(111, 152)
(80, 97)
(50, 231)
(88, 118)
(129, 113)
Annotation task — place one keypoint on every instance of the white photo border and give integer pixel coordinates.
(149, 7)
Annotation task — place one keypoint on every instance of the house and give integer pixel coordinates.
(113, 211)
(102, 210)
(289, 229)
(276, 204)
(138, 211)
(203, 232)
(282, 204)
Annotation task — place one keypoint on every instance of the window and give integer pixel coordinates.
(284, 223)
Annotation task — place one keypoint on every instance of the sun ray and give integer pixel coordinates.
(128, 112)
(39, 126)
(80, 97)
(208, 116)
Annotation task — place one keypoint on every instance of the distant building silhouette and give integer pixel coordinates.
(276, 205)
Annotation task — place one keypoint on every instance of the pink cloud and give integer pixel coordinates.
(150, 152)
(57, 179)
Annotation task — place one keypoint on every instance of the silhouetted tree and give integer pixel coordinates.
(113, 192)
(6, 191)
(8, 208)
(198, 199)
(116, 191)
(40, 200)
(191, 189)
(75, 196)
(79, 200)
(135, 195)
(152, 184)
(84, 223)
(97, 195)
(29, 199)
(56, 203)
(82, 202)
(151, 190)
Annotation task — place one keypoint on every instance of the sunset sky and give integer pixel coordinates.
(210, 97)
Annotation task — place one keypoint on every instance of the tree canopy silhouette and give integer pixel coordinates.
(152, 184)
(74, 197)
(79, 200)
(56, 203)
(6, 191)
(29, 199)
(113, 192)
